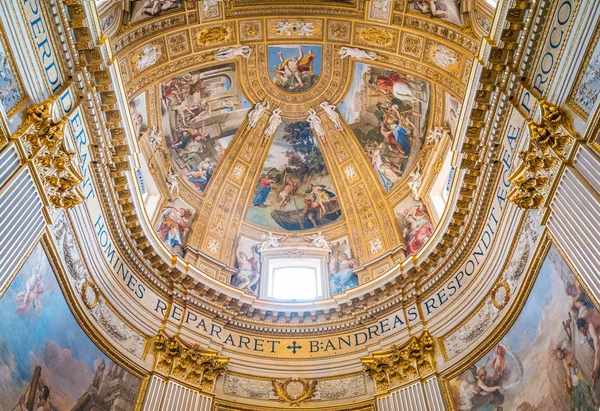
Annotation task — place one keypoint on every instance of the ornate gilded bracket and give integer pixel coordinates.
(191, 364)
(42, 144)
(550, 143)
(295, 390)
(401, 365)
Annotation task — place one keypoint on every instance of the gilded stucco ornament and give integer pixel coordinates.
(294, 390)
(550, 141)
(500, 294)
(42, 142)
(400, 365)
(190, 364)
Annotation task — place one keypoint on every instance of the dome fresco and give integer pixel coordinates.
(252, 205)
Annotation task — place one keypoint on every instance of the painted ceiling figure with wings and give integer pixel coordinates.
(479, 389)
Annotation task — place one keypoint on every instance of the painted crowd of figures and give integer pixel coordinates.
(388, 113)
(294, 191)
(204, 111)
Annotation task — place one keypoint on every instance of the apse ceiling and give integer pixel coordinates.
(298, 126)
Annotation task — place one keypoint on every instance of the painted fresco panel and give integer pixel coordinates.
(248, 264)
(145, 9)
(341, 267)
(448, 10)
(295, 68)
(294, 191)
(46, 361)
(201, 112)
(416, 224)
(174, 225)
(388, 112)
(547, 361)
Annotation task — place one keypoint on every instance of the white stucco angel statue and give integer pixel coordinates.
(270, 240)
(154, 138)
(173, 182)
(319, 241)
(274, 122)
(332, 114)
(416, 179)
(315, 123)
(256, 113)
(229, 53)
(358, 54)
(435, 135)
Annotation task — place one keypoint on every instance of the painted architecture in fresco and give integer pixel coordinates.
(448, 10)
(341, 267)
(46, 361)
(294, 190)
(174, 225)
(415, 223)
(295, 68)
(202, 111)
(388, 112)
(145, 9)
(550, 358)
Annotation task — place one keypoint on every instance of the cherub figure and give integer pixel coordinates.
(31, 294)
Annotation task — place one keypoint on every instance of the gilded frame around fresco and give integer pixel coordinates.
(545, 243)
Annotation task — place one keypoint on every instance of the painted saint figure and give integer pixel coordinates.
(344, 278)
(295, 73)
(417, 228)
(201, 175)
(173, 226)
(43, 404)
(248, 271)
(262, 191)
